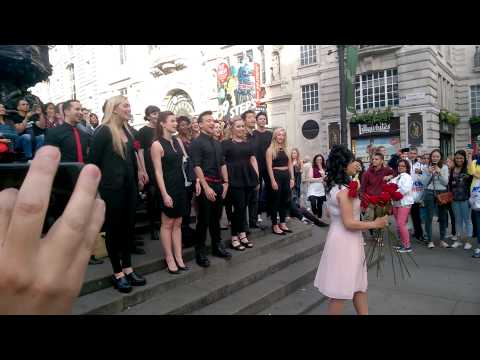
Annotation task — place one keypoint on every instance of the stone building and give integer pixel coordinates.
(415, 81)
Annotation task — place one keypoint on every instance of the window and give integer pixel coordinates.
(123, 91)
(249, 55)
(310, 97)
(376, 89)
(308, 54)
(123, 54)
(71, 73)
(475, 100)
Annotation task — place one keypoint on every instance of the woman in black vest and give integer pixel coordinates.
(168, 157)
(113, 152)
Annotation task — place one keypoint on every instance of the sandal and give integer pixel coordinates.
(246, 243)
(285, 230)
(236, 245)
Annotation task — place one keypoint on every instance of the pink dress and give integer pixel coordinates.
(342, 271)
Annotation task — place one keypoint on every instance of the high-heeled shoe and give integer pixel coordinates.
(276, 233)
(173, 272)
(182, 268)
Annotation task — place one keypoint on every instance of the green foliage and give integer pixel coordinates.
(449, 117)
(474, 120)
(372, 117)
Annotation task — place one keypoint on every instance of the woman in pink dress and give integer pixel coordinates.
(342, 273)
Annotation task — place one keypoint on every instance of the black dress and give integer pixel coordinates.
(174, 179)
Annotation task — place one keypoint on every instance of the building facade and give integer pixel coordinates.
(172, 77)
(416, 82)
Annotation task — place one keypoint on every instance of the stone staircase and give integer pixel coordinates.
(255, 281)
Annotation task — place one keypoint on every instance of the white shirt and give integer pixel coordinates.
(405, 186)
(315, 188)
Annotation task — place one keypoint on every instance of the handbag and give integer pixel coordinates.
(443, 198)
(188, 171)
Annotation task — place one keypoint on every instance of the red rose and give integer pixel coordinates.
(385, 197)
(397, 196)
(353, 189)
(372, 199)
(390, 188)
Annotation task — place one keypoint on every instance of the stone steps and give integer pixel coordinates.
(218, 284)
(262, 294)
(98, 296)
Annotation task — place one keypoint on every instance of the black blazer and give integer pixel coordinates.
(115, 170)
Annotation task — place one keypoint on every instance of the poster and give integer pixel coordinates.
(238, 83)
(363, 147)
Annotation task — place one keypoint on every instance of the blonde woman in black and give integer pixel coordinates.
(280, 171)
(242, 170)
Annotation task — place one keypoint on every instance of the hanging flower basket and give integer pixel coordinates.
(372, 117)
(449, 117)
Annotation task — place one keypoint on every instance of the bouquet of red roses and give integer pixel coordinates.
(375, 206)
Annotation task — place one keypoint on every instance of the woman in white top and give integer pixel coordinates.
(401, 208)
(316, 188)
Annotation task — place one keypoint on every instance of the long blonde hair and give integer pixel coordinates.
(115, 123)
(274, 146)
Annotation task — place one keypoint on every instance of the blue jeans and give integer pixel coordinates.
(24, 143)
(463, 223)
(432, 207)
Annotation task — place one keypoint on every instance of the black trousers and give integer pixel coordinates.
(209, 214)
(300, 213)
(452, 219)
(120, 224)
(280, 199)
(186, 218)
(264, 192)
(239, 197)
(227, 203)
(417, 221)
(252, 202)
(153, 204)
(317, 205)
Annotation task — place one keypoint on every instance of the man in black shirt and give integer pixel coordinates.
(65, 136)
(249, 118)
(211, 171)
(145, 137)
(263, 139)
(26, 139)
(73, 145)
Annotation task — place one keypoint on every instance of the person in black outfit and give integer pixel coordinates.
(168, 158)
(243, 174)
(185, 135)
(145, 138)
(211, 171)
(73, 145)
(280, 170)
(249, 118)
(113, 152)
(263, 139)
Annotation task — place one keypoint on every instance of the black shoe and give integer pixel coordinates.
(154, 235)
(139, 243)
(94, 261)
(202, 259)
(182, 268)
(219, 251)
(286, 230)
(138, 251)
(320, 223)
(278, 233)
(122, 284)
(174, 272)
(136, 279)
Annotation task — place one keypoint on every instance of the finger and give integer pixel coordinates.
(77, 268)
(32, 202)
(67, 235)
(7, 203)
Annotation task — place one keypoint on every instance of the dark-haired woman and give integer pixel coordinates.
(435, 180)
(459, 184)
(316, 188)
(8, 133)
(168, 157)
(50, 116)
(342, 273)
(145, 138)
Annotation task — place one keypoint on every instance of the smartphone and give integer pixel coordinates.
(13, 175)
(469, 146)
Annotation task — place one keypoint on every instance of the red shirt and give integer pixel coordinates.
(372, 180)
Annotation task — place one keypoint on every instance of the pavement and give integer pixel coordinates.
(447, 282)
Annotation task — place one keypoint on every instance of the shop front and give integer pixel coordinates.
(368, 137)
